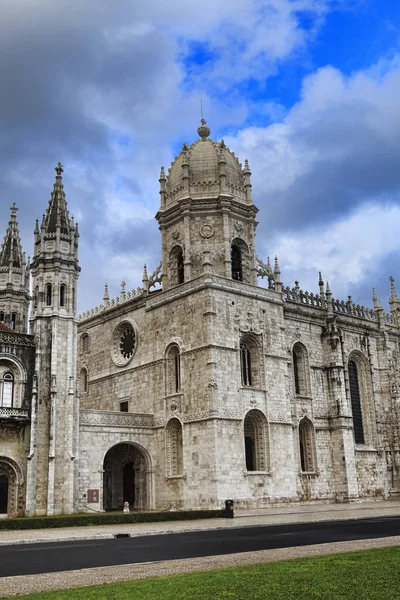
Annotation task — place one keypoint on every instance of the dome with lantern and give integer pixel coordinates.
(205, 168)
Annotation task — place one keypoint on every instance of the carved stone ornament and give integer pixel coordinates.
(175, 234)
(238, 226)
(123, 343)
(206, 230)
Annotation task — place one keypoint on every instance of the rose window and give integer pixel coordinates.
(124, 341)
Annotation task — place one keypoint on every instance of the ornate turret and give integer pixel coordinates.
(55, 272)
(207, 217)
(14, 278)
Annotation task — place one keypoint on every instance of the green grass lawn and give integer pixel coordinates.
(353, 576)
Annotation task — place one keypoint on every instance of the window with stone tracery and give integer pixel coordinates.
(300, 370)
(356, 402)
(250, 362)
(174, 446)
(307, 446)
(174, 370)
(240, 260)
(256, 441)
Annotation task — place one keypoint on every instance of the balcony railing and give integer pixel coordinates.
(14, 414)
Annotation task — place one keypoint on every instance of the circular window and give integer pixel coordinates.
(124, 343)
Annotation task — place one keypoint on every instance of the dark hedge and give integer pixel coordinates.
(84, 519)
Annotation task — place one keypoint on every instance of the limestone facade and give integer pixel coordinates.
(201, 385)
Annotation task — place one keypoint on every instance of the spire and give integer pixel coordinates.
(57, 216)
(106, 297)
(11, 254)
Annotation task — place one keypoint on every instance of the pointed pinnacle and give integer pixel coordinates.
(145, 276)
(393, 293)
(276, 266)
(59, 169)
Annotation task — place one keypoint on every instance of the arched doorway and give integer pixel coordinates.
(126, 476)
(3, 494)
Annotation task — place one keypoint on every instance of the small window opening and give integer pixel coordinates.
(13, 320)
(236, 259)
(85, 343)
(124, 406)
(48, 294)
(2, 317)
(84, 380)
(180, 267)
(62, 295)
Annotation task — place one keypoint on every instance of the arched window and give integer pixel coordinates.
(177, 267)
(7, 390)
(73, 299)
(2, 317)
(174, 448)
(307, 446)
(240, 260)
(236, 260)
(250, 368)
(300, 370)
(256, 441)
(356, 403)
(62, 294)
(84, 380)
(85, 342)
(13, 320)
(245, 364)
(174, 370)
(48, 294)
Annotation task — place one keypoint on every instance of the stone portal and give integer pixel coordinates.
(125, 478)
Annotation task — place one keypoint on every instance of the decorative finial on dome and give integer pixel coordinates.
(204, 130)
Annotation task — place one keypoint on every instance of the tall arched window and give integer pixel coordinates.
(85, 342)
(2, 317)
(174, 448)
(356, 403)
(307, 446)
(300, 370)
(236, 260)
(83, 380)
(174, 370)
(13, 320)
(256, 441)
(62, 294)
(177, 267)
(7, 390)
(250, 367)
(48, 294)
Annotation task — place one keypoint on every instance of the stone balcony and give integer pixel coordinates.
(14, 416)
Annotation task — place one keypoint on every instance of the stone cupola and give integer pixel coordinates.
(207, 217)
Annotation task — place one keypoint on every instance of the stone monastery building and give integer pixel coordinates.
(204, 389)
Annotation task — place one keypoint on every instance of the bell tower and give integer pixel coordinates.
(207, 216)
(14, 278)
(55, 272)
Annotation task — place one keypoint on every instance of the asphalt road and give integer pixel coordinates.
(27, 559)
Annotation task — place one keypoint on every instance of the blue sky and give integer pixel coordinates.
(307, 90)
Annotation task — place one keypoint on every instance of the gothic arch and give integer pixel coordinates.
(176, 266)
(83, 380)
(301, 370)
(127, 477)
(173, 369)
(11, 364)
(256, 441)
(240, 260)
(174, 447)
(307, 446)
(251, 368)
(15, 480)
(361, 396)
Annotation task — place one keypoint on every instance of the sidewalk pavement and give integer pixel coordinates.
(305, 513)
